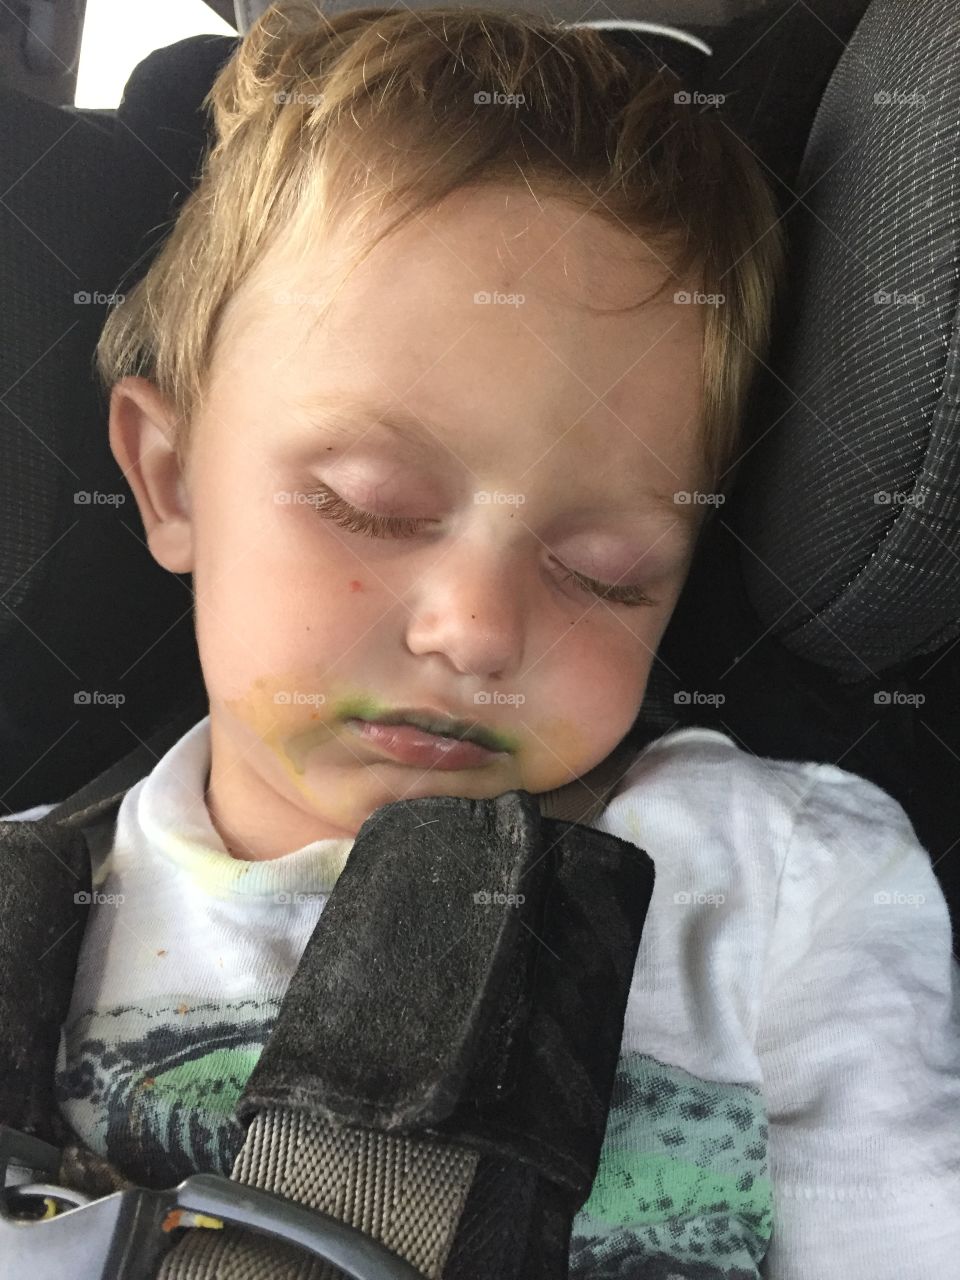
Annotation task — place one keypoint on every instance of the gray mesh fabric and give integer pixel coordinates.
(406, 1192)
(852, 528)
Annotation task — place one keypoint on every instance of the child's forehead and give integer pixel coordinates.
(543, 407)
(495, 236)
(427, 312)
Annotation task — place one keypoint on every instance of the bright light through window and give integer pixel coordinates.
(118, 34)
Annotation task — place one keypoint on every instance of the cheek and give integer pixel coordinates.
(605, 661)
(262, 600)
(595, 689)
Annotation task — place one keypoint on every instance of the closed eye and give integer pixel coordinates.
(331, 506)
(606, 591)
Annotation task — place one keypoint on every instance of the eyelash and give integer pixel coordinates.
(332, 507)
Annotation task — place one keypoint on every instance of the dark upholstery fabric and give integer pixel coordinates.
(85, 612)
(851, 510)
(845, 523)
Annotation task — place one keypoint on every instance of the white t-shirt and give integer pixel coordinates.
(787, 1099)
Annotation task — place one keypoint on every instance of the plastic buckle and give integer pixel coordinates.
(125, 1236)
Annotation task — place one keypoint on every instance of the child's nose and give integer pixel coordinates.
(469, 607)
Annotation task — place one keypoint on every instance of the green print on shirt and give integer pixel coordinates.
(681, 1186)
(153, 1087)
(682, 1183)
(212, 1081)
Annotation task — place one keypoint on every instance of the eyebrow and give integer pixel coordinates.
(342, 416)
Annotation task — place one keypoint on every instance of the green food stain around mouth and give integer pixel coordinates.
(299, 746)
(359, 707)
(502, 741)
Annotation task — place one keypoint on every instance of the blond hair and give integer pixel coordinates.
(332, 119)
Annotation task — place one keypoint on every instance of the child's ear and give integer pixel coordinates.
(142, 440)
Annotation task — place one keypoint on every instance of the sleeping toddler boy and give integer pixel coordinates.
(429, 389)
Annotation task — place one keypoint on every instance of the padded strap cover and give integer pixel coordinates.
(44, 897)
(468, 977)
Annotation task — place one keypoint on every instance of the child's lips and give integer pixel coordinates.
(415, 746)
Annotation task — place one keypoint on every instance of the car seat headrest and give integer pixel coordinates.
(848, 504)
